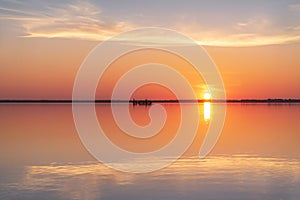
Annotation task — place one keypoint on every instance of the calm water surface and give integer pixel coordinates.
(256, 157)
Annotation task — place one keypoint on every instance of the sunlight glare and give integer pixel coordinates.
(207, 96)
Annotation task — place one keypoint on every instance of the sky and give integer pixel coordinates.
(255, 44)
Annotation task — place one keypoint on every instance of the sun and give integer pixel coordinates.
(207, 96)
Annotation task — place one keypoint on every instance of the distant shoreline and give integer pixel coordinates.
(152, 101)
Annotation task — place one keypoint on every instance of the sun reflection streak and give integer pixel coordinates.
(206, 108)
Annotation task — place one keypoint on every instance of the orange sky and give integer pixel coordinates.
(46, 68)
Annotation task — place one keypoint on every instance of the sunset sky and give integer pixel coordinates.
(255, 44)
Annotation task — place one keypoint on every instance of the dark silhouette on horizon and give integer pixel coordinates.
(145, 102)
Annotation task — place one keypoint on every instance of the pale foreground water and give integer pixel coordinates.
(256, 157)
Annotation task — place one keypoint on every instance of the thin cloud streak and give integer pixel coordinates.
(246, 40)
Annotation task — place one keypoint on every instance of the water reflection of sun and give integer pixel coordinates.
(206, 111)
(206, 105)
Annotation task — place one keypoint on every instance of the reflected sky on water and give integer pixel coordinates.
(256, 157)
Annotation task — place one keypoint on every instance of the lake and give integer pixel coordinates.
(256, 157)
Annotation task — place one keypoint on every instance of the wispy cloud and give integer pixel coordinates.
(295, 7)
(80, 20)
(84, 20)
(255, 31)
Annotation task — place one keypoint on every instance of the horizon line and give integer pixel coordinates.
(246, 100)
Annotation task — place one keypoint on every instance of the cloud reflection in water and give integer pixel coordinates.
(189, 177)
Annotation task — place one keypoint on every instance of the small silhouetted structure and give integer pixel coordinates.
(145, 102)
